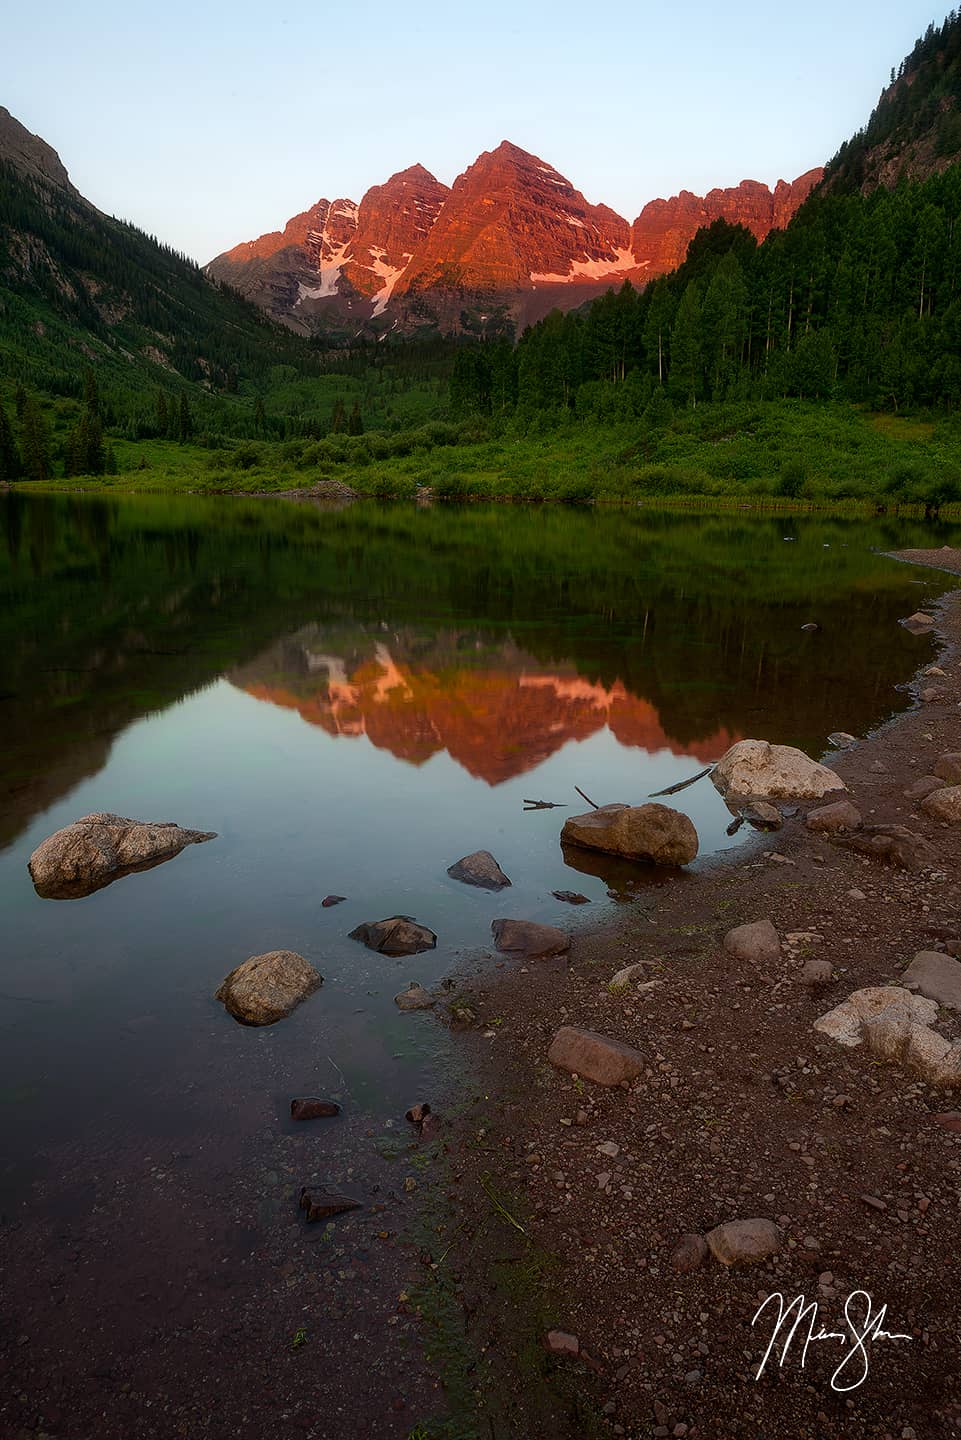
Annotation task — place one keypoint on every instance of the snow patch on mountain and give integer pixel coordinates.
(390, 274)
(587, 269)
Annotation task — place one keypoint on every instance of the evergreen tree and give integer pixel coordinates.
(35, 442)
(186, 423)
(10, 466)
(91, 397)
(686, 347)
(355, 424)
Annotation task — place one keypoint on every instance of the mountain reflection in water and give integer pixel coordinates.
(497, 712)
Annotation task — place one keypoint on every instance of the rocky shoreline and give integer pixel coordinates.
(743, 1112)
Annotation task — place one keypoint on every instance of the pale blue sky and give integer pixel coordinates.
(209, 123)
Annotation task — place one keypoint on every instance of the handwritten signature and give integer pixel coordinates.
(800, 1316)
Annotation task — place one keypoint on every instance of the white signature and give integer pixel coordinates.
(861, 1330)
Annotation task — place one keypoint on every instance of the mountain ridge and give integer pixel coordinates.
(511, 234)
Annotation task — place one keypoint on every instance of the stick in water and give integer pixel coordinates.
(586, 797)
(673, 789)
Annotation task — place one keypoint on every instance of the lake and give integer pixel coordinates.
(353, 700)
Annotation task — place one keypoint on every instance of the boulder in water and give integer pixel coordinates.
(398, 935)
(757, 769)
(101, 848)
(266, 988)
(653, 833)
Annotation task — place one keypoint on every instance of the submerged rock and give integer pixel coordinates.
(398, 935)
(266, 988)
(309, 1108)
(653, 833)
(918, 623)
(415, 997)
(524, 937)
(481, 869)
(758, 770)
(321, 1204)
(571, 897)
(98, 849)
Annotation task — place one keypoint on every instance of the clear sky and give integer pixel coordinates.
(207, 123)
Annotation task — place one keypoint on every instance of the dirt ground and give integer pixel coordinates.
(743, 1111)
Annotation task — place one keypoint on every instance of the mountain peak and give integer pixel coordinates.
(29, 154)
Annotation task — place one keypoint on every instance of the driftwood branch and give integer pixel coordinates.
(586, 797)
(545, 805)
(683, 784)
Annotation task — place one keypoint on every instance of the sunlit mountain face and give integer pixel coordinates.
(496, 711)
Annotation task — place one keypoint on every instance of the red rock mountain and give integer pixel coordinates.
(510, 222)
(662, 232)
(511, 235)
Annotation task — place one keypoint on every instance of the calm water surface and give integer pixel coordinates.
(352, 701)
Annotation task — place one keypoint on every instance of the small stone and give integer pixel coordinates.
(856, 895)
(935, 975)
(689, 1253)
(918, 622)
(418, 1113)
(628, 975)
(608, 1148)
(398, 935)
(330, 900)
(571, 897)
(319, 1204)
(944, 804)
(596, 1057)
(948, 768)
(526, 938)
(874, 1202)
(415, 997)
(817, 973)
(756, 943)
(924, 786)
(744, 1242)
(559, 1342)
(832, 819)
(479, 869)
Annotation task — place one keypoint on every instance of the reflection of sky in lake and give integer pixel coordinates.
(341, 741)
(97, 992)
